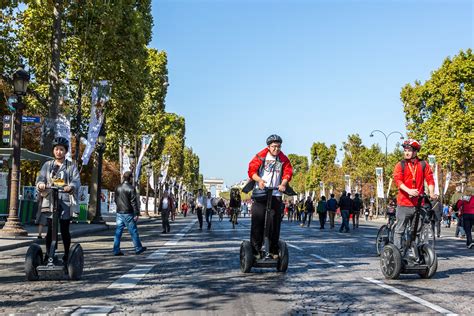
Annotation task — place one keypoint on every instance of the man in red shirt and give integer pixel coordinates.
(269, 168)
(410, 175)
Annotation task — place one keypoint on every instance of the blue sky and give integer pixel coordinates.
(306, 70)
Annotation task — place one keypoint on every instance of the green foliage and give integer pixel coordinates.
(300, 170)
(190, 169)
(440, 112)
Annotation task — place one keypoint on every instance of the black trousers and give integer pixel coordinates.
(209, 212)
(257, 231)
(199, 216)
(165, 220)
(468, 222)
(65, 235)
(322, 219)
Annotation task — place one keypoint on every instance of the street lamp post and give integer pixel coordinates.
(13, 225)
(100, 150)
(386, 152)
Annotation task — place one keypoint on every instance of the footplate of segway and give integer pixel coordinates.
(51, 271)
(266, 263)
(409, 269)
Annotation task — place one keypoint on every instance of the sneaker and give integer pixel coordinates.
(163, 232)
(39, 237)
(119, 254)
(140, 251)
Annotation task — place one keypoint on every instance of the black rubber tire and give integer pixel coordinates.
(75, 264)
(391, 262)
(431, 259)
(246, 257)
(382, 239)
(284, 257)
(33, 258)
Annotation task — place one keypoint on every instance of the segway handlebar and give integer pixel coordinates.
(423, 198)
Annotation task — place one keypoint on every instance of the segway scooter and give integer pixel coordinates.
(54, 268)
(247, 258)
(417, 256)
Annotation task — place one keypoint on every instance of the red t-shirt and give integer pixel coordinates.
(466, 207)
(413, 179)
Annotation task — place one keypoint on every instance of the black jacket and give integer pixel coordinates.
(126, 199)
(345, 203)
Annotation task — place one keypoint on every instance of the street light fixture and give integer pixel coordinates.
(13, 225)
(386, 153)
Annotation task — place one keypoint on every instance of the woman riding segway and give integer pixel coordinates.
(270, 172)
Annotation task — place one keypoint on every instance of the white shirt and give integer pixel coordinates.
(200, 201)
(209, 202)
(165, 204)
(272, 173)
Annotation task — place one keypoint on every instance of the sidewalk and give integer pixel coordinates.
(77, 229)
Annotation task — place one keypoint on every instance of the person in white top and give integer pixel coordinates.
(209, 210)
(200, 204)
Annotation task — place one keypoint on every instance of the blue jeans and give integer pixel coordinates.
(122, 221)
(345, 220)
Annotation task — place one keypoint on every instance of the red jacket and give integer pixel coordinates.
(466, 207)
(407, 178)
(256, 162)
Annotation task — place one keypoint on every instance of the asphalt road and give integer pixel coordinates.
(197, 272)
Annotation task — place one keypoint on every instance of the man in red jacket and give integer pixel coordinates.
(269, 168)
(409, 175)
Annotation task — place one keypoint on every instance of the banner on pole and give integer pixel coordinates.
(434, 167)
(446, 184)
(164, 168)
(347, 180)
(389, 187)
(100, 96)
(322, 189)
(379, 177)
(146, 141)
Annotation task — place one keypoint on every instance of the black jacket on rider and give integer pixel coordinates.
(126, 199)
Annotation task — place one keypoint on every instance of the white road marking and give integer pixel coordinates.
(132, 277)
(414, 298)
(318, 257)
(92, 310)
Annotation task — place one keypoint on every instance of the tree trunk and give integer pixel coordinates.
(93, 189)
(49, 127)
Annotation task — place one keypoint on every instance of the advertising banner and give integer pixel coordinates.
(83, 194)
(146, 141)
(379, 177)
(100, 96)
(3, 185)
(347, 181)
(104, 201)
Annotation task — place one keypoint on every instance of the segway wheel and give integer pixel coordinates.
(382, 239)
(33, 258)
(283, 257)
(75, 264)
(246, 257)
(391, 262)
(431, 260)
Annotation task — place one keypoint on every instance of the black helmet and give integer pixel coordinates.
(61, 141)
(274, 139)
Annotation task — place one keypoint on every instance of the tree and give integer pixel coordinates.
(440, 112)
(322, 167)
(300, 170)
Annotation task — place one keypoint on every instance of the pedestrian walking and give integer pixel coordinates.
(200, 204)
(127, 214)
(209, 210)
(332, 208)
(466, 210)
(345, 204)
(308, 211)
(291, 209)
(357, 206)
(322, 212)
(166, 208)
(184, 209)
(437, 217)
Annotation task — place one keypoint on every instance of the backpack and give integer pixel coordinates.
(423, 167)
